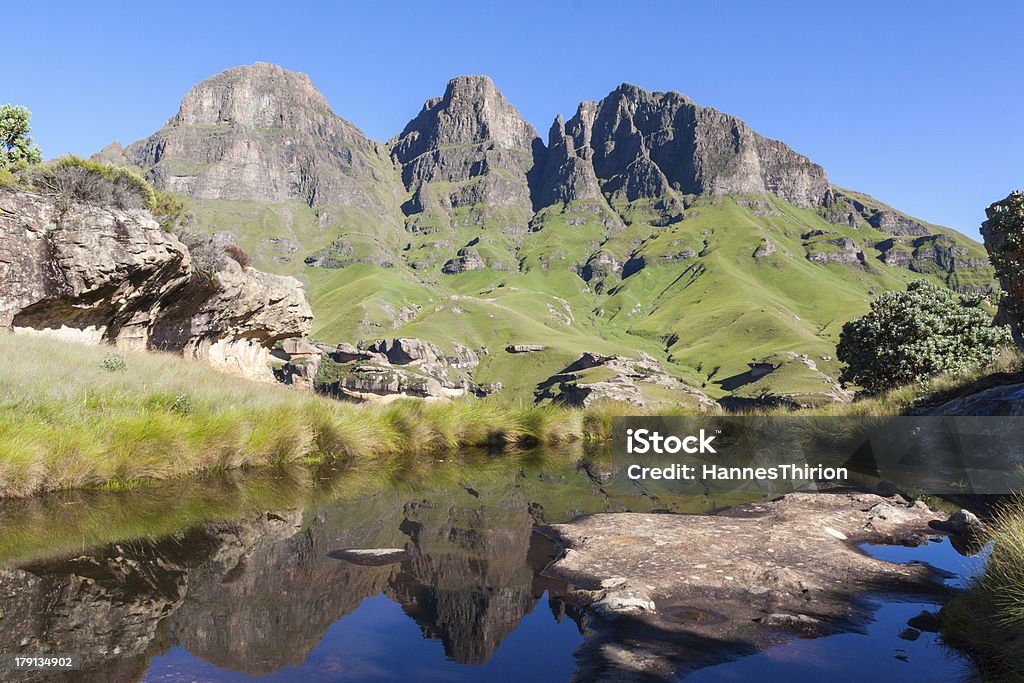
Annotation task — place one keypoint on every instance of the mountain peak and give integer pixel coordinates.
(260, 132)
(472, 111)
(260, 95)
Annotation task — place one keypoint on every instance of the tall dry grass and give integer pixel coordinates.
(71, 418)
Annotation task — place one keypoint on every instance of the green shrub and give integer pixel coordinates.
(915, 335)
(182, 405)
(73, 179)
(114, 362)
(171, 211)
(16, 147)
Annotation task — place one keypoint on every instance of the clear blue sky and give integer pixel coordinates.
(920, 104)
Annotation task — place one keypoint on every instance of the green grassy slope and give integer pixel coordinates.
(692, 293)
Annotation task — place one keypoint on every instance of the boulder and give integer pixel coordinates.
(595, 377)
(524, 348)
(1002, 401)
(104, 275)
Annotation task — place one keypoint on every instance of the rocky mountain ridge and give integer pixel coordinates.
(645, 223)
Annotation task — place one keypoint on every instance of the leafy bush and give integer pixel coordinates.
(914, 335)
(182, 405)
(114, 362)
(170, 211)
(16, 147)
(73, 179)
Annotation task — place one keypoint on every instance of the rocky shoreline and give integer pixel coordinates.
(669, 594)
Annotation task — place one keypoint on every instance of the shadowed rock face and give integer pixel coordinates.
(474, 138)
(1002, 232)
(97, 274)
(636, 144)
(263, 133)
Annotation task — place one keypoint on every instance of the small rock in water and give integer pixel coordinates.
(910, 634)
(960, 523)
(925, 621)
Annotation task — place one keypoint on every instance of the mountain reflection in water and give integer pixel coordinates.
(254, 591)
(247, 574)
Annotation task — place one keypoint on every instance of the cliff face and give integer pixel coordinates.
(266, 134)
(104, 275)
(636, 144)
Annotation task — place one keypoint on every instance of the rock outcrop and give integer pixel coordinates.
(642, 382)
(103, 275)
(466, 160)
(790, 380)
(1002, 401)
(636, 144)
(263, 133)
(668, 588)
(384, 369)
(1004, 239)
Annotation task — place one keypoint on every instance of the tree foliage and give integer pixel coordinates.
(171, 211)
(16, 147)
(911, 336)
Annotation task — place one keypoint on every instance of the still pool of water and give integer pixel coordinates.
(237, 578)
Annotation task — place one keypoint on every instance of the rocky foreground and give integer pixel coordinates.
(676, 593)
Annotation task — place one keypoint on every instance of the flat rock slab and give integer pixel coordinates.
(370, 557)
(673, 593)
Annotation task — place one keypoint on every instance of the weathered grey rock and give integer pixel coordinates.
(524, 348)
(842, 250)
(386, 369)
(960, 523)
(1004, 401)
(625, 384)
(1002, 239)
(749, 576)
(113, 276)
(477, 144)
(636, 144)
(263, 133)
(896, 223)
(766, 248)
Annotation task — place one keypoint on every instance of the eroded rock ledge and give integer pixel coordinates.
(103, 275)
(675, 591)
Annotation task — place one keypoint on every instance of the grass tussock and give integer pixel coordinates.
(74, 416)
(987, 621)
(71, 417)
